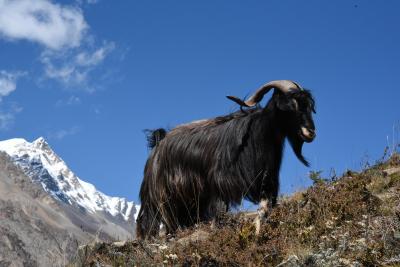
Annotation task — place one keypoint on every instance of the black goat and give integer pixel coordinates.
(195, 166)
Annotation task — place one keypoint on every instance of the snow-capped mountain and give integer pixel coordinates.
(44, 166)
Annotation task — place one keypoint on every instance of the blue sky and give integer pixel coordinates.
(89, 76)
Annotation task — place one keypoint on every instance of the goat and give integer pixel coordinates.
(197, 165)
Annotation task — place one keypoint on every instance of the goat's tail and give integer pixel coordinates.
(154, 137)
(148, 221)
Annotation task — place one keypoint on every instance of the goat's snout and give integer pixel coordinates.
(308, 133)
(312, 133)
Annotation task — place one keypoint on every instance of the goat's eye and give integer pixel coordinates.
(303, 108)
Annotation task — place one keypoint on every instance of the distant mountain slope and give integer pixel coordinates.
(43, 165)
(34, 230)
(46, 211)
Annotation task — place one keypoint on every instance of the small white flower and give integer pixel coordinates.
(361, 224)
(310, 228)
(329, 224)
(361, 241)
(173, 256)
(163, 247)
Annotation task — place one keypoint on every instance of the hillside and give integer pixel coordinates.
(349, 221)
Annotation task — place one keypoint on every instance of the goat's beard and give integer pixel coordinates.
(297, 145)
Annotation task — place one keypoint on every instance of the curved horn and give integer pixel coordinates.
(284, 86)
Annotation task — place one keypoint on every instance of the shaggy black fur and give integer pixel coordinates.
(196, 166)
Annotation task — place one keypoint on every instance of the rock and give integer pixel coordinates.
(391, 171)
(292, 261)
(250, 215)
(394, 260)
(197, 236)
(119, 244)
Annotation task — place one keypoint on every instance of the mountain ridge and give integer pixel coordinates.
(46, 211)
(43, 165)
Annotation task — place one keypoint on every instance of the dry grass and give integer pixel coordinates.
(352, 221)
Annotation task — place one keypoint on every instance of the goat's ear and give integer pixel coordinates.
(286, 103)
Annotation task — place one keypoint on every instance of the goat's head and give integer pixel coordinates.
(296, 106)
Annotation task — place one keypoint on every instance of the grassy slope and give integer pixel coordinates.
(352, 221)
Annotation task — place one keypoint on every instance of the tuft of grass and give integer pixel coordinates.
(246, 234)
(316, 177)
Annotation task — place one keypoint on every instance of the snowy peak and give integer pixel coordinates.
(41, 143)
(44, 166)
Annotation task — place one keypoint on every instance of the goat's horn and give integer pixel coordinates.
(283, 85)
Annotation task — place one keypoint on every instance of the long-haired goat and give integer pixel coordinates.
(225, 159)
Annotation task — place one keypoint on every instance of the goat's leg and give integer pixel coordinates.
(148, 221)
(264, 209)
(269, 196)
(216, 210)
(262, 212)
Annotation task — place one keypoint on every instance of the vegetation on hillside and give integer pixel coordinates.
(349, 221)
